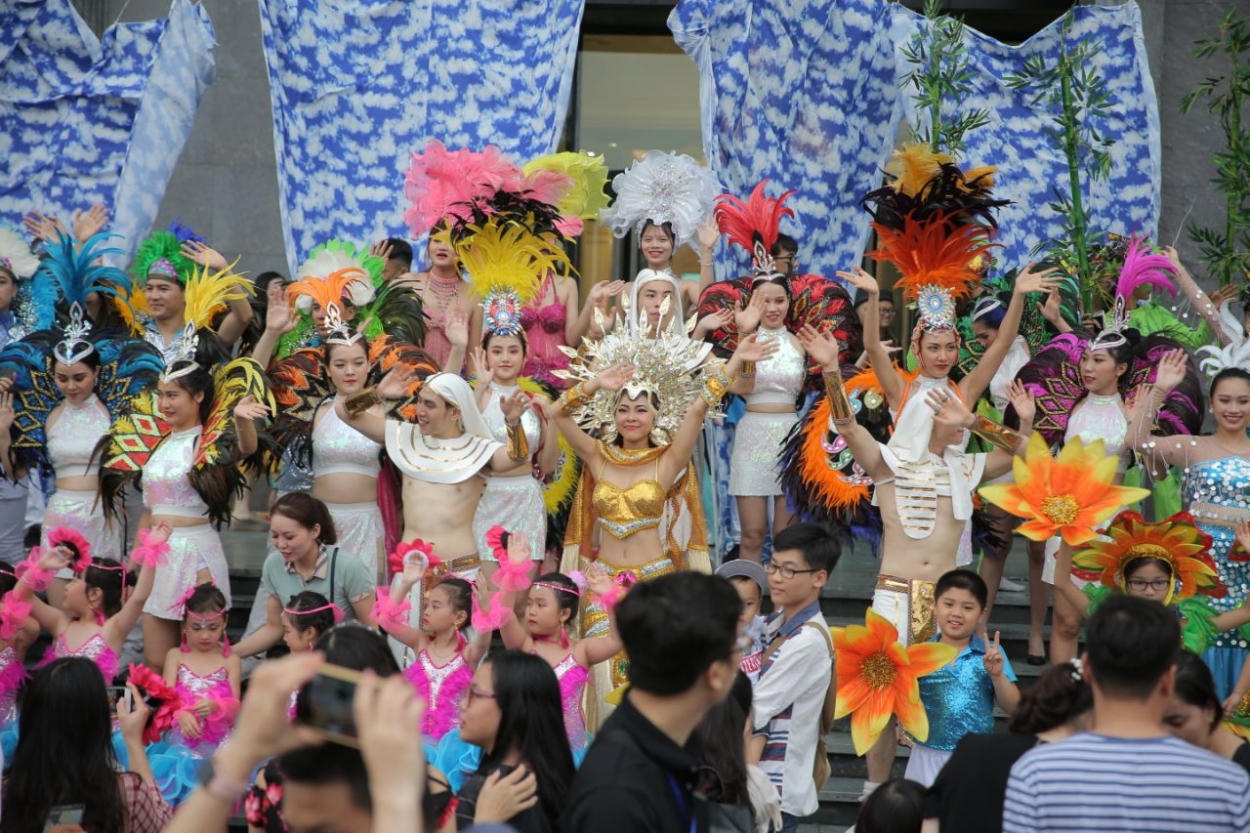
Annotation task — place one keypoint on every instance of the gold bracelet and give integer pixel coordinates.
(518, 445)
(840, 410)
(361, 402)
(715, 387)
(573, 398)
(996, 435)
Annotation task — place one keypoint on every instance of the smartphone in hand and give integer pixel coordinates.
(328, 704)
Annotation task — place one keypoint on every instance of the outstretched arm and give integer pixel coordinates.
(978, 379)
(596, 299)
(355, 411)
(614, 378)
(892, 383)
(1161, 452)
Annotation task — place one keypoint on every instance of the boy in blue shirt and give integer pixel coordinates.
(959, 698)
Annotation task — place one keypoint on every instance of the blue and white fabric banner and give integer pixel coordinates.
(809, 94)
(358, 86)
(86, 120)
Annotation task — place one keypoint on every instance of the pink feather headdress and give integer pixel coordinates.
(440, 182)
(1141, 266)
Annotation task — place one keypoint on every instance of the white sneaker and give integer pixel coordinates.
(1009, 586)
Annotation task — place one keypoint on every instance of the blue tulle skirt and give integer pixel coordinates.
(457, 759)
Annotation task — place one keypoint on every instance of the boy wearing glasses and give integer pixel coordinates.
(789, 696)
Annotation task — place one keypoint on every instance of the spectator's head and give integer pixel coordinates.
(785, 253)
(722, 744)
(1132, 646)
(751, 582)
(299, 525)
(1195, 711)
(804, 555)
(893, 807)
(305, 618)
(263, 281)
(512, 708)
(681, 632)
(327, 787)
(400, 260)
(1060, 697)
(64, 750)
(959, 600)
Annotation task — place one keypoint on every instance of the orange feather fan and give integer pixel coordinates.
(757, 219)
(932, 254)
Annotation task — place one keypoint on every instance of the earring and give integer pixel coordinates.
(564, 636)
(225, 645)
(185, 647)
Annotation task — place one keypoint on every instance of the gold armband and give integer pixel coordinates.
(840, 410)
(748, 370)
(573, 398)
(997, 435)
(361, 402)
(518, 445)
(715, 387)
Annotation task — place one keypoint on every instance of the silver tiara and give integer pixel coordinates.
(1112, 335)
(74, 347)
(763, 264)
(339, 331)
(184, 348)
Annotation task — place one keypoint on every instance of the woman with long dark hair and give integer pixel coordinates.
(512, 711)
(65, 756)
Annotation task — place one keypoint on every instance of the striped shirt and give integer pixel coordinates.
(1095, 783)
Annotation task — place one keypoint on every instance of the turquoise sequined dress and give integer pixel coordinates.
(1210, 485)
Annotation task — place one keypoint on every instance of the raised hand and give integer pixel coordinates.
(45, 227)
(518, 548)
(614, 378)
(159, 534)
(514, 405)
(1022, 400)
(7, 411)
(713, 321)
(381, 249)
(821, 347)
(948, 409)
(1050, 309)
(414, 567)
(708, 232)
(747, 316)
(249, 408)
(598, 581)
(480, 367)
(1036, 281)
(90, 222)
(457, 327)
(503, 797)
(280, 316)
(1242, 530)
(395, 384)
(993, 658)
(203, 254)
(751, 349)
(1171, 370)
(601, 292)
(861, 280)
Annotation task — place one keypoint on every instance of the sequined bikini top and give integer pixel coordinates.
(201, 687)
(340, 449)
(622, 512)
(96, 649)
(778, 378)
(74, 435)
(167, 488)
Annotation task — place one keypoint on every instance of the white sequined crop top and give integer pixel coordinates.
(1101, 418)
(167, 488)
(74, 436)
(778, 378)
(340, 449)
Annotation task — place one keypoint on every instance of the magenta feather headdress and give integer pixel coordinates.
(441, 183)
(1141, 266)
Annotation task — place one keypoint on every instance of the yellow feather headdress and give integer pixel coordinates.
(506, 264)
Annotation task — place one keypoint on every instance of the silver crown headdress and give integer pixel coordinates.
(183, 352)
(1112, 335)
(74, 347)
(339, 331)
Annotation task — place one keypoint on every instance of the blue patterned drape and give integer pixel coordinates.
(86, 120)
(358, 86)
(807, 93)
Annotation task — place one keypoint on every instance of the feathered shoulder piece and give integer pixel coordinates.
(926, 183)
(1184, 408)
(1142, 266)
(663, 188)
(583, 197)
(160, 255)
(300, 384)
(129, 367)
(385, 352)
(132, 438)
(397, 311)
(76, 273)
(440, 183)
(506, 264)
(754, 225)
(15, 253)
(937, 264)
(209, 292)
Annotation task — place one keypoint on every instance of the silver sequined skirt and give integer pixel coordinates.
(77, 510)
(753, 469)
(360, 532)
(191, 549)
(516, 504)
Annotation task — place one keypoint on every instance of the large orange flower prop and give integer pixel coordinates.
(1175, 541)
(877, 678)
(1070, 496)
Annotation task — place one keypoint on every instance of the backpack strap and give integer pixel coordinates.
(334, 558)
